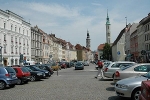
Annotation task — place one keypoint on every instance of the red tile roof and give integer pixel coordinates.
(100, 47)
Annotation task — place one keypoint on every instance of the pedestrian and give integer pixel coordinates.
(100, 67)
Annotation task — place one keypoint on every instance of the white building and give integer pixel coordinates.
(118, 52)
(15, 38)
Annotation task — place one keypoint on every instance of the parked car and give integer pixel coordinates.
(131, 87)
(86, 63)
(35, 68)
(22, 74)
(131, 70)
(109, 71)
(145, 90)
(79, 65)
(35, 75)
(7, 77)
(46, 67)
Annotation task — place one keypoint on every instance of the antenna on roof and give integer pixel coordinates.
(126, 21)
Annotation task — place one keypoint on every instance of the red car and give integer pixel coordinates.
(145, 90)
(22, 74)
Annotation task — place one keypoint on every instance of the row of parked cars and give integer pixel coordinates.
(17, 74)
(130, 78)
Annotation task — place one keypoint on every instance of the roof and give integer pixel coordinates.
(119, 36)
(100, 47)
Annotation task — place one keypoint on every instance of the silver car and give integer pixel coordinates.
(131, 87)
(111, 69)
(129, 71)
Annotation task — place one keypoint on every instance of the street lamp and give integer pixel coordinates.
(1, 58)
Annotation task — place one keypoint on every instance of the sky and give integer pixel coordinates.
(70, 19)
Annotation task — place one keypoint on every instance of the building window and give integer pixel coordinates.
(11, 38)
(27, 32)
(12, 50)
(16, 39)
(5, 49)
(4, 37)
(11, 27)
(23, 32)
(16, 62)
(16, 51)
(4, 25)
(19, 40)
(19, 29)
(15, 29)
(20, 50)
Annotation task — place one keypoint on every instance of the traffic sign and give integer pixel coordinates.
(118, 52)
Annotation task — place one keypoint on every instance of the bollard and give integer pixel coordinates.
(57, 72)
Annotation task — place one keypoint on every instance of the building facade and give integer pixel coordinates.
(15, 39)
(36, 44)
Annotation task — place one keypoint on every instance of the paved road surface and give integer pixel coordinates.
(70, 84)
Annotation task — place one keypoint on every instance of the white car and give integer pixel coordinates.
(109, 71)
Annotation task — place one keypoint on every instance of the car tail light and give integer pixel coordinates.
(117, 74)
(7, 75)
(106, 69)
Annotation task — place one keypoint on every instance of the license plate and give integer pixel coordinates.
(13, 76)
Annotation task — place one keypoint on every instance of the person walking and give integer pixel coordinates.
(100, 66)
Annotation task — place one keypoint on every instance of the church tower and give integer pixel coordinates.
(108, 33)
(88, 40)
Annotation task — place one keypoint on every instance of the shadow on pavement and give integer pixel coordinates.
(118, 98)
(103, 79)
(112, 83)
(110, 89)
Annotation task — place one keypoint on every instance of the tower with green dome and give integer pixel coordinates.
(108, 33)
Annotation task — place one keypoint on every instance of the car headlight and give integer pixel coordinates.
(122, 86)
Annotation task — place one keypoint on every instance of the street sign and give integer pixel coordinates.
(118, 52)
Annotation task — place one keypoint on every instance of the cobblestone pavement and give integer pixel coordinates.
(70, 84)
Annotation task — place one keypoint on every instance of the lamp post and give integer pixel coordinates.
(1, 58)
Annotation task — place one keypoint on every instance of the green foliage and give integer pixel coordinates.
(107, 52)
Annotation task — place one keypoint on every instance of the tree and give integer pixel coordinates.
(107, 52)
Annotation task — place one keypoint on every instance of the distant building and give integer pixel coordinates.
(108, 32)
(88, 40)
(100, 51)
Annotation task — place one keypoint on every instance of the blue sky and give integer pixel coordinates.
(70, 19)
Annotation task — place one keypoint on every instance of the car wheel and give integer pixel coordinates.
(135, 94)
(32, 78)
(12, 85)
(2, 85)
(19, 81)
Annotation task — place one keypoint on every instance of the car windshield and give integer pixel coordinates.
(24, 69)
(78, 64)
(147, 75)
(28, 69)
(36, 68)
(10, 70)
